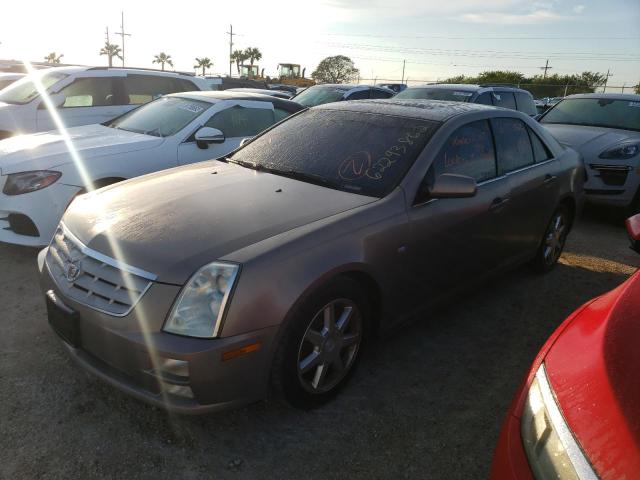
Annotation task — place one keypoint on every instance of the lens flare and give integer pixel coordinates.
(90, 187)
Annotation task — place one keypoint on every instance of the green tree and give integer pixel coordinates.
(252, 54)
(637, 88)
(238, 56)
(163, 58)
(111, 50)
(337, 69)
(203, 63)
(500, 77)
(53, 58)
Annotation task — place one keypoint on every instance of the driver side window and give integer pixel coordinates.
(468, 151)
(240, 121)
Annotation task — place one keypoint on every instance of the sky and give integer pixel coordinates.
(436, 39)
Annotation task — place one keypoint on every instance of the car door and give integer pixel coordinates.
(455, 241)
(88, 100)
(238, 120)
(534, 189)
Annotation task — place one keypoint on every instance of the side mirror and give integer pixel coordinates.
(57, 99)
(208, 135)
(633, 229)
(450, 185)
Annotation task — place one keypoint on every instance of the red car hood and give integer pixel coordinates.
(594, 369)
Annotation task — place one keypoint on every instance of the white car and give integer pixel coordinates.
(39, 177)
(7, 79)
(85, 95)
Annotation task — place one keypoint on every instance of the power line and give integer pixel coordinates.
(465, 37)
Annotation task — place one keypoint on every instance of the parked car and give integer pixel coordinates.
(40, 175)
(605, 129)
(199, 288)
(264, 91)
(327, 93)
(7, 79)
(576, 414)
(292, 89)
(497, 95)
(84, 95)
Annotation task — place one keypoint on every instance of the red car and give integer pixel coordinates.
(577, 414)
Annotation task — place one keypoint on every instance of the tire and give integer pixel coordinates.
(320, 347)
(553, 241)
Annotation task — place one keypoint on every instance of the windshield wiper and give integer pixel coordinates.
(304, 176)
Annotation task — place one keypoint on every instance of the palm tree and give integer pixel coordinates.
(163, 58)
(203, 63)
(253, 54)
(53, 58)
(238, 56)
(111, 50)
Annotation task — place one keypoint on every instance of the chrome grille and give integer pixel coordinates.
(93, 279)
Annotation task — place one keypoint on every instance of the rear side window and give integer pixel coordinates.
(89, 92)
(139, 89)
(512, 143)
(375, 93)
(361, 95)
(484, 99)
(183, 85)
(240, 121)
(504, 100)
(525, 103)
(468, 151)
(540, 151)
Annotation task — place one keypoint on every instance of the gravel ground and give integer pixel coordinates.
(426, 403)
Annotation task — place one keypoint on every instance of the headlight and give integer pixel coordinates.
(25, 182)
(200, 306)
(622, 152)
(548, 442)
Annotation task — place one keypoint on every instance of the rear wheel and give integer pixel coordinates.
(321, 345)
(553, 241)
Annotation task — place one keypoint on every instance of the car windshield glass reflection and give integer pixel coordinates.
(24, 90)
(161, 118)
(436, 94)
(596, 112)
(355, 152)
(319, 95)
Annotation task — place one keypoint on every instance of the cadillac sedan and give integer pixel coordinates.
(209, 286)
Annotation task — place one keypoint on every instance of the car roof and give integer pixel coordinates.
(347, 87)
(148, 71)
(214, 96)
(434, 110)
(609, 96)
(468, 87)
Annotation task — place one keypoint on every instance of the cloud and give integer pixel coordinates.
(578, 8)
(536, 16)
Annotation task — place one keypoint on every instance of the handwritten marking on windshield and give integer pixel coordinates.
(355, 166)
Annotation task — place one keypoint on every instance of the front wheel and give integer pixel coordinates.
(321, 345)
(553, 241)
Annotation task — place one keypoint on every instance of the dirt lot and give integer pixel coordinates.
(426, 403)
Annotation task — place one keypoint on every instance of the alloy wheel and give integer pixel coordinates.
(329, 346)
(555, 238)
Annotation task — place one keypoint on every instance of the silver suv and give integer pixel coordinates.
(496, 95)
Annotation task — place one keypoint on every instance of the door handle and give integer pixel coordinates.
(548, 178)
(498, 203)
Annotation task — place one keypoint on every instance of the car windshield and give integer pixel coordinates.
(596, 112)
(430, 93)
(162, 117)
(319, 95)
(24, 90)
(356, 152)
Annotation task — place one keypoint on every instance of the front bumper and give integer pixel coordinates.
(127, 352)
(612, 182)
(41, 210)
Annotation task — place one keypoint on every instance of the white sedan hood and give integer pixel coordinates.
(41, 151)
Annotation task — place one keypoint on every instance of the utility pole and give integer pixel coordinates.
(106, 34)
(545, 68)
(403, 64)
(231, 34)
(123, 34)
(606, 79)
(623, 85)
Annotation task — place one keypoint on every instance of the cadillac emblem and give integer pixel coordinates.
(72, 271)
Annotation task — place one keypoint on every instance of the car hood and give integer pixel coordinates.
(49, 149)
(594, 369)
(172, 223)
(589, 141)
